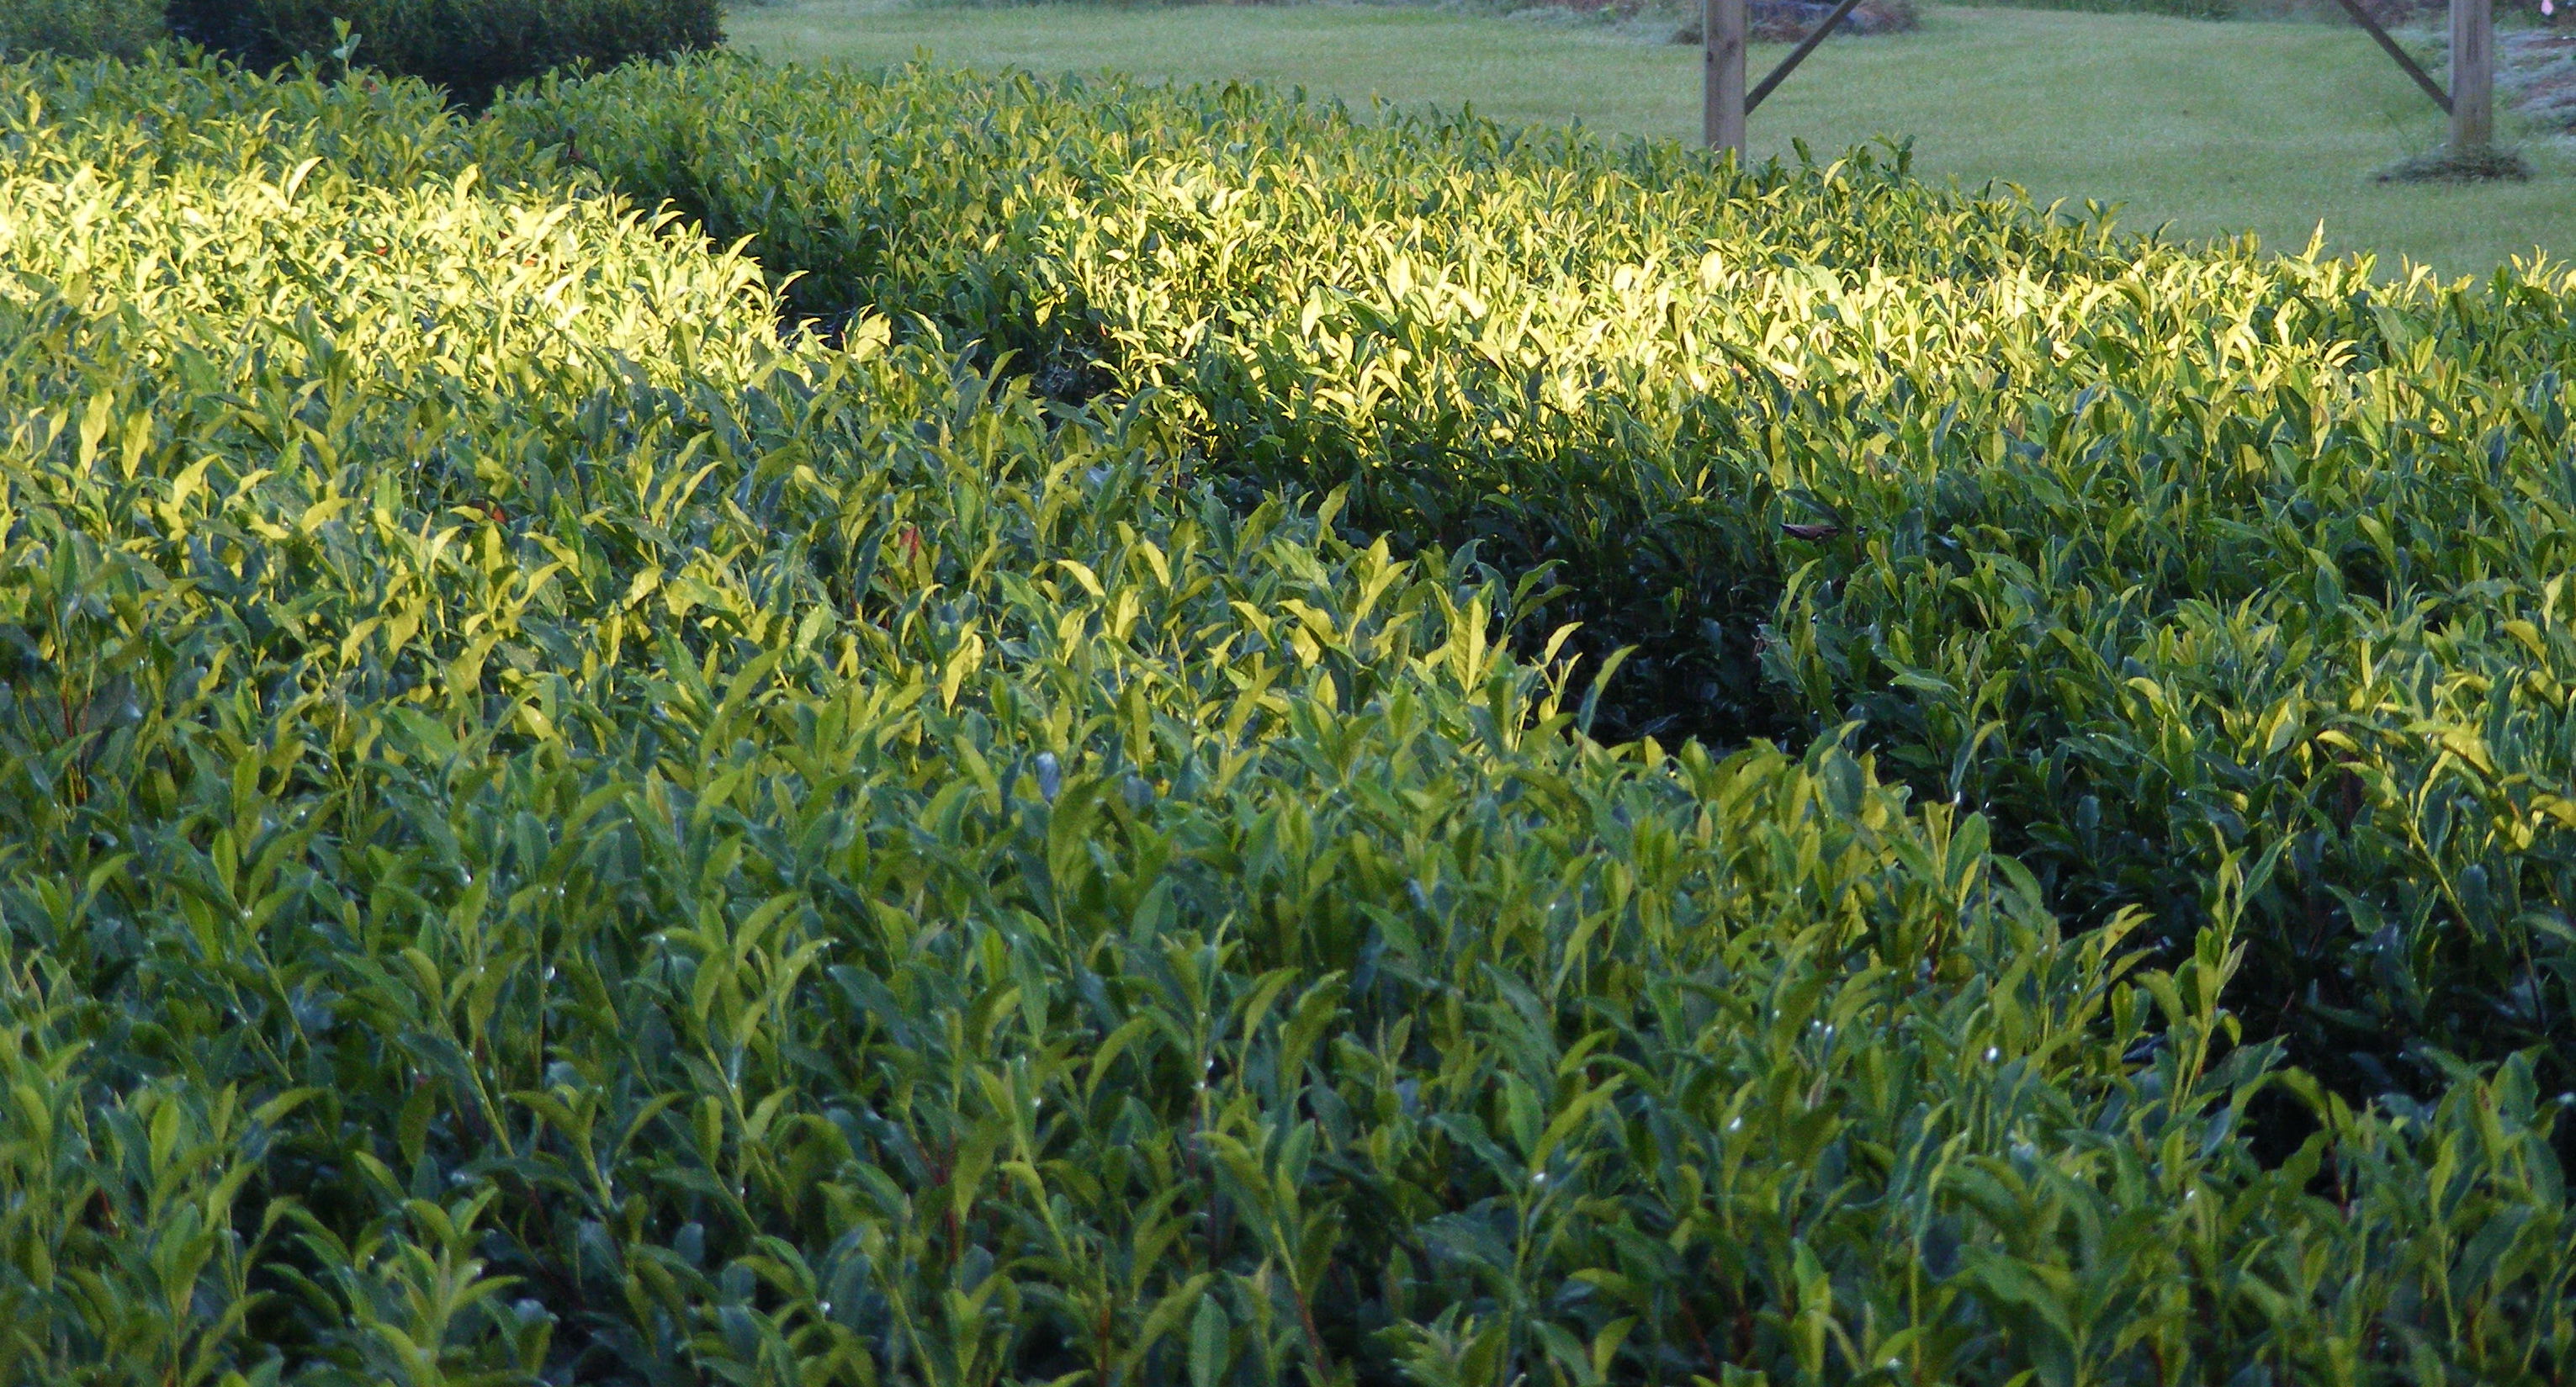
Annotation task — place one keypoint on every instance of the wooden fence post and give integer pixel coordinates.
(1722, 74)
(2472, 77)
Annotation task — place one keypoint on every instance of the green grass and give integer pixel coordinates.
(2215, 128)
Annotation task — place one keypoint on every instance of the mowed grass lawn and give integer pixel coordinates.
(2211, 128)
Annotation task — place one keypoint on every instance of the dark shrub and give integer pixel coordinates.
(471, 47)
(78, 28)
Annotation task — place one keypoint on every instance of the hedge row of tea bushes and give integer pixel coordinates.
(559, 834)
(2160, 557)
(1421, 312)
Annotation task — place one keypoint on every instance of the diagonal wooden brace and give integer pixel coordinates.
(2431, 88)
(1799, 54)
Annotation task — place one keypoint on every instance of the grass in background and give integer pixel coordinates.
(2215, 128)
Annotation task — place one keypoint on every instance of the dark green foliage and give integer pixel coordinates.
(79, 28)
(558, 835)
(472, 48)
(2185, 9)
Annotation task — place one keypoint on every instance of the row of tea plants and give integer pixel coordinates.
(1045, 821)
(2158, 556)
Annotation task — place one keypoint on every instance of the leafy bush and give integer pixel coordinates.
(560, 834)
(1253, 216)
(79, 28)
(470, 47)
(2159, 556)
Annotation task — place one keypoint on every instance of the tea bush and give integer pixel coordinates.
(562, 832)
(2158, 555)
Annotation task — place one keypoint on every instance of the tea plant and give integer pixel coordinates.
(2158, 555)
(564, 833)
